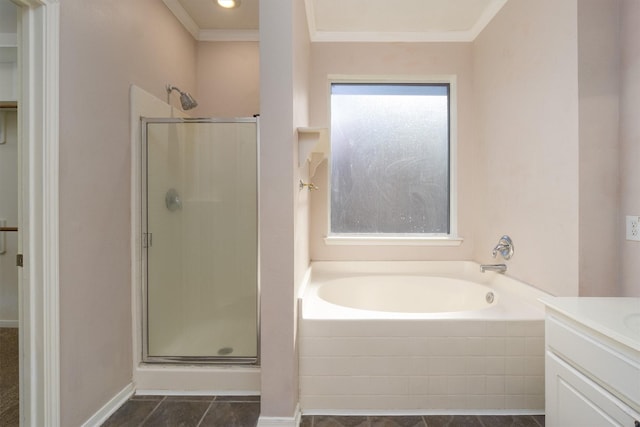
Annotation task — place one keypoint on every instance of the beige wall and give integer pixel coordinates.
(395, 59)
(599, 153)
(630, 142)
(228, 79)
(548, 117)
(301, 69)
(526, 88)
(282, 107)
(105, 46)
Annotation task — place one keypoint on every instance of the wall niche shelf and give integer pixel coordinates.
(313, 147)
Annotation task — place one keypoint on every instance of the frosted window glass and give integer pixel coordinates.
(389, 159)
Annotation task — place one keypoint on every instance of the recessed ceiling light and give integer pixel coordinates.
(229, 4)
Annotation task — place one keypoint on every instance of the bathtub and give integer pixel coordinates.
(419, 337)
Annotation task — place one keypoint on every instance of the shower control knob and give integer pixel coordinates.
(172, 200)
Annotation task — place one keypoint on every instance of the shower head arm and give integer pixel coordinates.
(186, 99)
(171, 88)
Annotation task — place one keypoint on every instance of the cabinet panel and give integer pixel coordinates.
(575, 400)
(619, 371)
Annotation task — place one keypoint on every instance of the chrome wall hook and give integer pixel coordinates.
(310, 186)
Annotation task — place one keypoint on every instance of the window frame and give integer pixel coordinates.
(450, 239)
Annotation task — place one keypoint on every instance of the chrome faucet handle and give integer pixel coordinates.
(504, 248)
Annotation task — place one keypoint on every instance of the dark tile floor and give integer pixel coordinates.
(9, 387)
(187, 411)
(243, 411)
(425, 421)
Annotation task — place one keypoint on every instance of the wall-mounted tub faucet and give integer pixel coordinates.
(504, 248)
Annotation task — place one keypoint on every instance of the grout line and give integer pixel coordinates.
(152, 411)
(205, 413)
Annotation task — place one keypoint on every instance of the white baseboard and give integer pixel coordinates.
(9, 323)
(151, 392)
(419, 412)
(281, 421)
(110, 407)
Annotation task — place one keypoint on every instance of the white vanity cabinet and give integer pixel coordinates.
(592, 362)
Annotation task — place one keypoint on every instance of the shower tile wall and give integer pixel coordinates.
(418, 365)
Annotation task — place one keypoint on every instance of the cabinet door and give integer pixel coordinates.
(572, 399)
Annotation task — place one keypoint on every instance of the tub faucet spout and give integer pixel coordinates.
(499, 268)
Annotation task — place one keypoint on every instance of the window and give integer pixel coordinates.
(390, 160)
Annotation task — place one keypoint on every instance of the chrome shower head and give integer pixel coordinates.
(186, 99)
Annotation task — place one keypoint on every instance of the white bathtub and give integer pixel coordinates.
(406, 294)
(419, 337)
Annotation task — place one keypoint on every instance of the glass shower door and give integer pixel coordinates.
(200, 240)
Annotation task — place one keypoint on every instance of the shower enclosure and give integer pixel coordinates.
(200, 240)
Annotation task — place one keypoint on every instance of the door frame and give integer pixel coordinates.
(38, 121)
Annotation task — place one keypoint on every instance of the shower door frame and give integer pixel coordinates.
(210, 360)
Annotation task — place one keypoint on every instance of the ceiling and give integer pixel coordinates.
(347, 20)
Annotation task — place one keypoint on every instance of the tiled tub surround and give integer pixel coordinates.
(489, 360)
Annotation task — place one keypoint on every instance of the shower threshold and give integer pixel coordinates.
(204, 360)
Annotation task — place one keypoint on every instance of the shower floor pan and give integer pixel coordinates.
(230, 339)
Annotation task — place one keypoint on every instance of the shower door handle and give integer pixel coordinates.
(147, 240)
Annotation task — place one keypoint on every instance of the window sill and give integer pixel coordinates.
(393, 241)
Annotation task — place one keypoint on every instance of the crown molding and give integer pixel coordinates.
(469, 35)
(181, 15)
(228, 36)
(204, 35)
(489, 13)
(320, 36)
(392, 37)
(311, 19)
